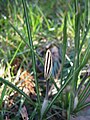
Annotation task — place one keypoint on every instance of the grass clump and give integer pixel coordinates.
(26, 27)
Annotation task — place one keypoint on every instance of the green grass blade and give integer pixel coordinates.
(84, 37)
(69, 109)
(31, 48)
(19, 33)
(84, 91)
(6, 82)
(2, 95)
(85, 97)
(86, 13)
(16, 52)
(64, 39)
(64, 44)
(77, 43)
(46, 20)
(82, 107)
(86, 56)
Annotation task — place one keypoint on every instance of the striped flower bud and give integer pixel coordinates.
(48, 65)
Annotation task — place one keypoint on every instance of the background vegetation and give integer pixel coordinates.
(25, 28)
